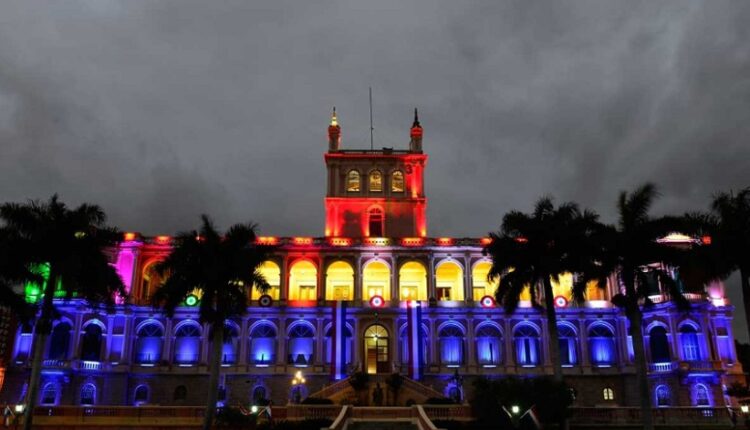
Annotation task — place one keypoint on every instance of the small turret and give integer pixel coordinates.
(415, 145)
(334, 133)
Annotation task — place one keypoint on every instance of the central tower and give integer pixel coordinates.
(375, 193)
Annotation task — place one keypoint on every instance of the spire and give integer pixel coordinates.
(334, 133)
(415, 145)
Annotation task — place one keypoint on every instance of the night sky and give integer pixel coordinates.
(162, 110)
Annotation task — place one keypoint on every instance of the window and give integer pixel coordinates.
(480, 285)
(229, 349)
(259, 395)
(352, 181)
(180, 393)
(187, 344)
(49, 394)
(449, 281)
(659, 345)
(88, 394)
(340, 281)
(303, 281)
(141, 395)
(488, 341)
(601, 345)
(412, 279)
(376, 181)
(608, 394)
(301, 345)
(375, 223)
(397, 182)
(59, 342)
(662, 396)
(527, 345)
(423, 350)
(150, 281)
(690, 348)
(451, 345)
(91, 344)
(347, 349)
(701, 395)
(263, 344)
(148, 344)
(376, 280)
(567, 341)
(272, 274)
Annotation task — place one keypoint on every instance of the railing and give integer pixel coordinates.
(596, 417)
(312, 411)
(448, 412)
(340, 422)
(662, 367)
(332, 389)
(380, 413)
(89, 365)
(421, 389)
(54, 363)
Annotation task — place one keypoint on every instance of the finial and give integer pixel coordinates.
(334, 120)
(416, 119)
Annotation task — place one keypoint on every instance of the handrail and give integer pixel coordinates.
(340, 421)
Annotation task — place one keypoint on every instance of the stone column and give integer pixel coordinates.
(282, 339)
(244, 339)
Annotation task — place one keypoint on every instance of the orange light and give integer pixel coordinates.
(302, 240)
(379, 241)
(412, 241)
(445, 241)
(340, 241)
(267, 240)
(162, 239)
(485, 241)
(706, 240)
(129, 236)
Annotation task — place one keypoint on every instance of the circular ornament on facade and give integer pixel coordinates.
(377, 302)
(487, 302)
(265, 300)
(561, 302)
(191, 300)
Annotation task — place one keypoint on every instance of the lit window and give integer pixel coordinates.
(601, 345)
(690, 346)
(231, 344)
(397, 182)
(49, 394)
(303, 280)
(187, 344)
(527, 345)
(608, 394)
(412, 279)
(352, 181)
(272, 274)
(148, 344)
(451, 345)
(91, 343)
(347, 340)
(376, 281)
(340, 281)
(662, 396)
(488, 342)
(480, 285)
(567, 342)
(659, 345)
(701, 396)
(376, 181)
(301, 345)
(88, 394)
(141, 395)
(449, 281)
(263, 344)
(375, 223)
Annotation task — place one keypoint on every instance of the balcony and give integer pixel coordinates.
(700, 366)
(54, 363)
(666, 367)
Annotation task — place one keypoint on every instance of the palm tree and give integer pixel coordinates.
(633, 251)
(221, 269)
(534, 249)
(64, 249)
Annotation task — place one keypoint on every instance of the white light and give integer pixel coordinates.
(254, 409)
(743, 408)
(515, 409)
(19, 409)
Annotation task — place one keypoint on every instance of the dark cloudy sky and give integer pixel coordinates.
(162, 110)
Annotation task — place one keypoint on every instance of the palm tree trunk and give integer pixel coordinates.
(644, 391)
(554, 338)
(217, 339)
(41, 334)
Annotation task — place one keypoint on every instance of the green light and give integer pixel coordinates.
(191, 300)
(33, 291)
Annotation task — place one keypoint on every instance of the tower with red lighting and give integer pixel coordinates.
(375, 192)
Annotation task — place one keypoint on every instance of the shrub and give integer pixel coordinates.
(317, 401)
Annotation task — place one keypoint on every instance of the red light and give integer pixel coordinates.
(561, 302)
(412, 241)
(267, 240)
(445, 241)
(521, 239)
(485, 241)
(129, 236)
(162, 239)
(340, 241)
(377, 302)
(302, 240)
(487, 302)
(706, 240)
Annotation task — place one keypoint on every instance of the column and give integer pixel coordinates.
(468, 290)
(283, 339)
(168, 341)
(471, 350)
(244, 337)
(319, 341)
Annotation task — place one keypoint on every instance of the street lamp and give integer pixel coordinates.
(745, 409)
(297, 383)
(515, 409)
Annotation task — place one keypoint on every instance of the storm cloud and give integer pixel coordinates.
(162, 110)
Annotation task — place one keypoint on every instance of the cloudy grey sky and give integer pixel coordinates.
(162, 110)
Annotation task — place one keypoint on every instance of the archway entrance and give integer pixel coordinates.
(376, 350)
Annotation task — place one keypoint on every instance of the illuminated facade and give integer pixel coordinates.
(375, 293)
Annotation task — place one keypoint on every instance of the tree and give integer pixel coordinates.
(395, 381)
(635, 253)
(221, 270)
(63, 251)
(535, 249)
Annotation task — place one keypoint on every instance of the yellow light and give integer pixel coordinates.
(129, 236)
(334, 119)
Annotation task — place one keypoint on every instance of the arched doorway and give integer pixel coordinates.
(376, 350)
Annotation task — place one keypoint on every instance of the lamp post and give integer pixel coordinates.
(297, 382)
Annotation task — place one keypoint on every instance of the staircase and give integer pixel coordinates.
(382, 425)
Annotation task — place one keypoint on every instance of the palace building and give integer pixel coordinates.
(375, 293)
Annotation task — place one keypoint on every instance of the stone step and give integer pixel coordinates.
(382, 425)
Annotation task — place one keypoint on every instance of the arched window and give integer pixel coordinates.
(567, 341)
(451, 345)
(489, 345)
(180, 393)
(49, 393)
(480, 286)
(263, 344)
(88, 394)
(272, 274)
(150, 281)
(340, 281)
(608, 394)
(449, 281)
(230, 347)
(376, 280)
(527, 345)
(375, 223)
(690, 346)
(701, 395)
(187, 344)
(148, 344)
(423, 357)
(376, 181)
(23, 344)
(659, 345)
(662, 396)
(347, 344)
(412, 281)
(141, 395)
(59, 342)
(303, 281)
(259, 395)
(91, 344)
(352, 181)
(301, 345)
(601, 345)
(397, 182)
(377, 344)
